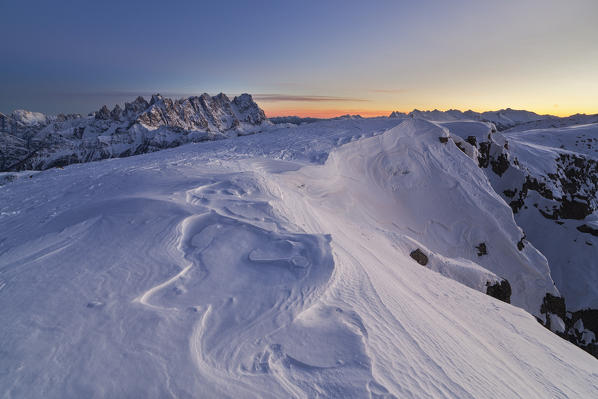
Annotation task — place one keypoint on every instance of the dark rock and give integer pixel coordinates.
(443, 140)
(500, 291)
(520, 244)
(419, 257)
(589, 317)
(500, 164)
(584, 228)
(472, 140)
(532, 184)
(482, 250)
(484, 157)
(574, 210)
(554, 304)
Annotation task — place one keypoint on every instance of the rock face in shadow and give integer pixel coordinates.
(580, 327)
(555, 305)
(419, 257)
(499, 290)
(500, 164)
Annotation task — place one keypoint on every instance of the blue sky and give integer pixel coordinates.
(304, 57)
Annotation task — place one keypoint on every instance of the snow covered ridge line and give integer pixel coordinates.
(33, 141)
(503, 119)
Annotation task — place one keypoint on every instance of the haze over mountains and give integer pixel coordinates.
(430, 254)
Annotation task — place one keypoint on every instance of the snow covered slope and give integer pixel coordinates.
(276, 265)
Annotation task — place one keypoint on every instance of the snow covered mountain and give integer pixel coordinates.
(343, 258)
(34, 141)
(502, 119)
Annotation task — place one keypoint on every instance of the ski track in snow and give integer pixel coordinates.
(248, 270)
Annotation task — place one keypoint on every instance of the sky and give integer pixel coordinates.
(307, 58)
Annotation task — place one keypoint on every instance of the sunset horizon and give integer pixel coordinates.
(332, 199)
(314, 59)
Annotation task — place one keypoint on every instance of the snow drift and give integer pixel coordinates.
(277, 265)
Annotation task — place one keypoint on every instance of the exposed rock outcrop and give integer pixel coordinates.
(419, 257)
(499, 290)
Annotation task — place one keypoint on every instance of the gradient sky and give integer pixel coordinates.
(318, 58)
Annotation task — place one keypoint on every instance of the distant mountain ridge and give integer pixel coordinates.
(503, 119)
(32, 140)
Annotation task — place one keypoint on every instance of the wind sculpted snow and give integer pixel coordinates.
(275, 265)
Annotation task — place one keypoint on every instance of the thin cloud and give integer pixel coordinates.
(120, 93)
(388, 91)
(298, 98)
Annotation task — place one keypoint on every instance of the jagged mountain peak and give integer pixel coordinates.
(156, 98)
(39, 142)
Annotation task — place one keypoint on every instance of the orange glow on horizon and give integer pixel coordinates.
(322, 113)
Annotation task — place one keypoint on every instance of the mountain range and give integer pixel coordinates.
(35, 141)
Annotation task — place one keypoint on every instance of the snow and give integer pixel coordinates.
(556, 323)
(29, 118)
(588, 337)
(504, 118)
(276, 265)
(578, 325)
(578, 138)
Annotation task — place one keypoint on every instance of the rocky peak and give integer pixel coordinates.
(248, 110)
(116, 112)
(156, 98)
(103, 113)
(132, 109)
